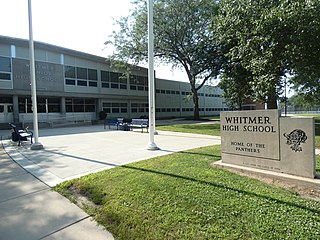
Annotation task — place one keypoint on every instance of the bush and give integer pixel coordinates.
(102, 115)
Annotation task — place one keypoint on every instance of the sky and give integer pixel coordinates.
(82, 25)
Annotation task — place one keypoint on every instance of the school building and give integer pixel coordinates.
(73, 85)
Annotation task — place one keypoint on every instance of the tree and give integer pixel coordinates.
(271, 39)
(235, 83)
(182, 38)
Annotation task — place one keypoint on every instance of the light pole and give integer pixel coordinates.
(151, 145)
(36, 145)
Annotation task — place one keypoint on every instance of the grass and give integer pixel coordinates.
(209, 129)
(179, 196)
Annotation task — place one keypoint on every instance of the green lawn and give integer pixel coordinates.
(179, 196)
(209, 129)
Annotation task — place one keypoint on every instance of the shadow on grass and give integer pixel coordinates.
(196, 180)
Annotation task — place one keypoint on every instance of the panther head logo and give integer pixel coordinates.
(295, 138)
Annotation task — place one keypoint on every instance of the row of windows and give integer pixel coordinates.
(115, 107)
(173, 92)
(80, 105)
(50, 105)
(189, 109)
(53, 105)
(113, 80)
(5, 68)
(123, 107)
(80, 76)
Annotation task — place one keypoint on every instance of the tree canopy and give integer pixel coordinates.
(183, 36)
(271, 40)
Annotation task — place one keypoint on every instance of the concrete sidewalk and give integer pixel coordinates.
(28, 207)
(30, 210)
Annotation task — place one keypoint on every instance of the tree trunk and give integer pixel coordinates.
(196, 115)
(272, 101)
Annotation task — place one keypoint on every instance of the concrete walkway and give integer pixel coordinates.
(28, 207)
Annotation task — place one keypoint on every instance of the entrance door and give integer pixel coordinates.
(6, 112)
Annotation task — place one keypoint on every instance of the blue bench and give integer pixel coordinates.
(113, 122)
(19, 135)
(139, 123)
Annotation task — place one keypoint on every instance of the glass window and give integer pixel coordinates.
(105, 85)
(93, 84)
(132, 87)
(123, 86)
(90, 108)
(82, 83)
(106, 105)
(1, 108)
(5, 64)
(82, 73)
(70, 82)
(133, 79)
(114, 77)
(140, 88)
(5, 76)
(105, 76)
(69, 72)
(10, 108)
(93, 74)
(123, 79)
(114, 85)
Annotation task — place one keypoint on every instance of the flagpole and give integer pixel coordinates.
(151, 145)
(36, 145)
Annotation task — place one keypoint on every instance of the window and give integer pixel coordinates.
(82, 73)
(80, 105)
(78, 76)
(139, 107)
(69, 72)
(115, 107)
(113, 80)
(139, 83)
(5, 76)
(52, 105)
(70, 82)
(5, 68)
(92, 74)
(82, 83)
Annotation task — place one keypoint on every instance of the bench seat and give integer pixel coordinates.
(113, 122)
(139, 123)
(19, 135)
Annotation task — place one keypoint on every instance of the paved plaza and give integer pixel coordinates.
(29, 209)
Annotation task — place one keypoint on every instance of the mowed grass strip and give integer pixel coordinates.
(180, 196)
(208, 129)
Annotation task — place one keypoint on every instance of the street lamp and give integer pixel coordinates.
(36, 145)
(151, 145)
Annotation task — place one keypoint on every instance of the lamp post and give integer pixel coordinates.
(36, 145)
(151, 145)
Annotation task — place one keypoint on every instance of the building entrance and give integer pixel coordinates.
(6, 112)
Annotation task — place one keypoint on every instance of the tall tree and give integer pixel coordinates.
(182, 38)
(253, 34)
(272, 38)
(235, 81)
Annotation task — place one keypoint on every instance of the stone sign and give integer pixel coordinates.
(262, 139)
